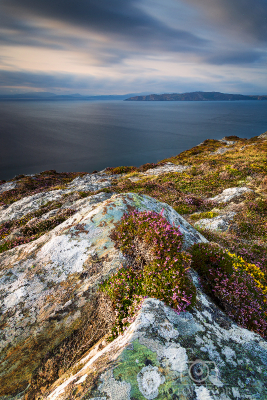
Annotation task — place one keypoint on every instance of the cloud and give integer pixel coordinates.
(100, 46)
(122, 20)
(235, 57)
(244, 19)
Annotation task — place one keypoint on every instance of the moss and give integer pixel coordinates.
(208, 214)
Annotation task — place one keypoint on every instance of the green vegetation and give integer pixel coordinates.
(240, 288)
(158, 267)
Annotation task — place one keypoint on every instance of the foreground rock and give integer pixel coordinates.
(200, 355)
(49, 289)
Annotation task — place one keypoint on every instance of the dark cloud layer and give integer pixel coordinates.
(119, 18)
(124, 33)
(245, 18)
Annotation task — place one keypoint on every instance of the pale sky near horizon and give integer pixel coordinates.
(131, 46)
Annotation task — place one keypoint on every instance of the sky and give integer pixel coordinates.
(95, 47)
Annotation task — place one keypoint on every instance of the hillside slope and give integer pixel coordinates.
(74, 275)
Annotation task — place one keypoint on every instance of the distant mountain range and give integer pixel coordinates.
(196, 96)
(55, 97)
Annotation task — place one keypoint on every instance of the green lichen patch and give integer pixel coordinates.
(130, 363)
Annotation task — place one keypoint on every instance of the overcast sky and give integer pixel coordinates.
(130, 46)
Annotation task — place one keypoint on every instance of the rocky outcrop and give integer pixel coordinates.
(200, 355)
(219, 223)
(166, 168)
(87, 183)
(230, 194)
(7, 186)
(49, 286)
(263, 136)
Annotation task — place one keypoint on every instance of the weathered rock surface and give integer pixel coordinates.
(221, 150)
(7, 186)
(219, 223)
(48, 287)
(197, 355)
(87, 183)
(230, 194)
(263, 136)
(162, 169)
(168, 167)
(92, 182)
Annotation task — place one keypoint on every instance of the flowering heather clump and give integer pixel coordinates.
(159, 269)
(238, 287)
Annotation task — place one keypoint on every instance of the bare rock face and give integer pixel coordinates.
(7, 186)
(49, 299)
(230, 194)
(219, 223)
(197, 355)
(263, 136)
(166, 168)
(87, 183)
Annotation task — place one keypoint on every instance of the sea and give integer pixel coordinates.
(73, 136)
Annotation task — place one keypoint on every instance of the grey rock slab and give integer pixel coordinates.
(7, 186)
(162, 169)
(219, 223)
(28, 204)
(92, 182)
(221, 150)
(263, 135)
(166, 168)
(38, 279)
(228, 142)
(208, 358)
(230, 194)
(20, 208)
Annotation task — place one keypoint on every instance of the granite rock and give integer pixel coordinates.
(48, 287)
(196, 355)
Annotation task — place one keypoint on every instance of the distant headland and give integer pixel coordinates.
(196, 96)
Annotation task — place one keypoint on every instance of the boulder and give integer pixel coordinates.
(49, 299)
(219, 223)
(230, 194)
(196, 355)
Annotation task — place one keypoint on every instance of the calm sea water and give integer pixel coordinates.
(92, 135)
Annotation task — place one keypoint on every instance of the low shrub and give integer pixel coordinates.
(208, 214)
(158, 268)
(120, 170)
(238, 287)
